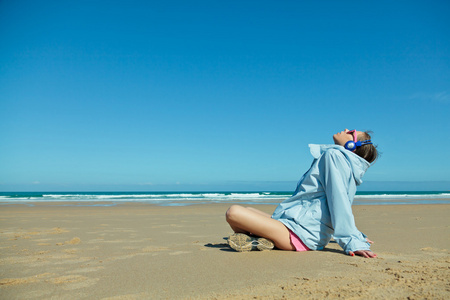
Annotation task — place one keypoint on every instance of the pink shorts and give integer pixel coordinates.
(297, 242)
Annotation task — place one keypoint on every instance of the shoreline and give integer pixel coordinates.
(141, 250)
(196, 198)
(180, 203)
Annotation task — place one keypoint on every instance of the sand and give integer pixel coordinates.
(142, 251)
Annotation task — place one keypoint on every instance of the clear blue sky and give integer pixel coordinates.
(219, 95)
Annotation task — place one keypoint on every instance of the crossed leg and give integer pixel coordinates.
(250, 220)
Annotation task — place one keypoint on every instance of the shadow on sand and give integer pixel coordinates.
(220, 246)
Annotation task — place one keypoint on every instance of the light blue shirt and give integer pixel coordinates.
(321, 206)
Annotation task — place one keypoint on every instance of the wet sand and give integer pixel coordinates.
(142, 251)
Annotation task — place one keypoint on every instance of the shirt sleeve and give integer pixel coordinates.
(335, 177)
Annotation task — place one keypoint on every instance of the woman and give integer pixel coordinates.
(320, 208)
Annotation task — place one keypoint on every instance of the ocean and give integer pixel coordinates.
(191, 198)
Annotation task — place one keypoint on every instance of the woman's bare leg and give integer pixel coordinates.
(239, 230)
(245, 220)
(259, 212)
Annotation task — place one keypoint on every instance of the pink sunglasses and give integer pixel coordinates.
(353, 133)
(351, 145)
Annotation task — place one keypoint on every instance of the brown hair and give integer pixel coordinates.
(368, 152)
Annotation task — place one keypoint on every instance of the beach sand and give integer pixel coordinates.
(142, 251)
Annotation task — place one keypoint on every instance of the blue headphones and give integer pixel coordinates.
(351, 145)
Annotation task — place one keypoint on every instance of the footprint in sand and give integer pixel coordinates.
(128, 297)
(87, 270)
(58, 230)
(73, 282)
(74, 241)
(154, 249)
(430, 249)
(24, 280)
(179, 252)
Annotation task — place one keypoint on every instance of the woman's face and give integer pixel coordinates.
(343, 137)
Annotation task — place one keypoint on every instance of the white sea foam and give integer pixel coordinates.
(251, 195)
(184, 198)
(403, 196)
(156, 197)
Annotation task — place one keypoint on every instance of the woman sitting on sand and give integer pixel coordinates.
(320, 208)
